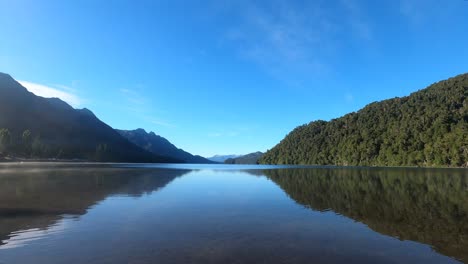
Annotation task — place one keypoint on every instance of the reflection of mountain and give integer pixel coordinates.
(427, 206)
(38, 198)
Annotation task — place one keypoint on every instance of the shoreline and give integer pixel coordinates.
(4, 161)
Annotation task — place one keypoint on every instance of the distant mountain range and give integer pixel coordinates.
(159, 145)
(34, 127)
(222, 158)
(426, 128)
(251, 158)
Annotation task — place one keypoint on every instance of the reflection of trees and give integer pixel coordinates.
(427, 206)
(37, 198)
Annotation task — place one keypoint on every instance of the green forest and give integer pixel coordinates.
(421, 205)
(28, 146)
(426, 128)
(25, 145)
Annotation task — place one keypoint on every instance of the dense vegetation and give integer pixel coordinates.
(423, 205)
(37, 127)
(159, 145)
(427, 128)
(251, 158)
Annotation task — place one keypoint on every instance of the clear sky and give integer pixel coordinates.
(229, 77)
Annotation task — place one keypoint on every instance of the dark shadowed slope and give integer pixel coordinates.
(427, 128)
(37, 127)
(159, 145)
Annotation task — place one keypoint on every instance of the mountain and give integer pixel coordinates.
(222, 158)
(251, 158)
(37, 127)
(427, 128)
(157, 144)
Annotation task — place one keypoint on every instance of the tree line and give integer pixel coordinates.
(25, 145)
(427, 128)
(31, 146)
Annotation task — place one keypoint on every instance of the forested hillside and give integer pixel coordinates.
(427, 128)
(48, 128)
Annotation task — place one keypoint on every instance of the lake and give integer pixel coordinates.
(123, 213)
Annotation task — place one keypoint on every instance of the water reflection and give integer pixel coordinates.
(145, 214)
(36, 201)
(423, 205)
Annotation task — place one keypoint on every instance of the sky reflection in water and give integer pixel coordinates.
(203, 214)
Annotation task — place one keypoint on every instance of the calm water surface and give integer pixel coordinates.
(92, 213)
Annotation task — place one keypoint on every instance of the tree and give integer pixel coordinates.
(428, 127)
(5, 140)
(101, 152)
(39, 149)
(26, 142)
(59, 154)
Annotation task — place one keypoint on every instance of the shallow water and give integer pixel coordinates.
(117, 213)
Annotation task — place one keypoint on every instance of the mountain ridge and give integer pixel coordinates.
(158, 144)
(48, 128)
(223, 158)
(429, 127)
(251, 158)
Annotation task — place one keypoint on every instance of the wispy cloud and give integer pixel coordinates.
(136, 102)
(160, 123)
(62, 92)
(224, 134)
(412, 10)
(297, 39)
(134, 97)
(421, 12)
(215, 134)
(357, 20)
(349, 98)
(231, 132)
(280, 38)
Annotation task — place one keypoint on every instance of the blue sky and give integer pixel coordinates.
(224, 77)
